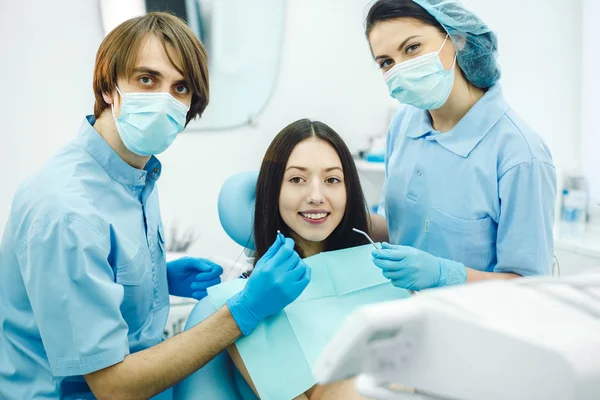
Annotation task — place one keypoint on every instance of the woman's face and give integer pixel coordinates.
(403, 39)
(312, 200)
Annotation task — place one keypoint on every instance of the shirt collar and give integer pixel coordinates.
(95, 145)
(470, 130)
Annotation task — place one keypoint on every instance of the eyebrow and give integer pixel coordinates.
(155, 73)
(304, 169)
(149, 71)
(399, 47)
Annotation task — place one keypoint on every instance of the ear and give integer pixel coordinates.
(459, 42)
(107, 98)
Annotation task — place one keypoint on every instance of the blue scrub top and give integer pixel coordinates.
(482, 194)
(83, 279)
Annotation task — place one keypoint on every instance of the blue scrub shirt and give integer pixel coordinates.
(482, 194)
(83, 279)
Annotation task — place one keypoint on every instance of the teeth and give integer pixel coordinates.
(314, 216)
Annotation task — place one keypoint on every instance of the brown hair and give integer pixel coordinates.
(118, 52)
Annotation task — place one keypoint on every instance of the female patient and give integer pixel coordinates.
(308, 188)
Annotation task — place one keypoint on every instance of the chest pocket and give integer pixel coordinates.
(136, 278)
(467, 241)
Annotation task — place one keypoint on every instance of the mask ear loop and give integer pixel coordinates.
(112, 106)
(455, 54)
(443, 43)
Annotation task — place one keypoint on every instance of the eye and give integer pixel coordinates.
(412, 48)
(388, 62)
(332, 180)
(146, 81)
(182, 89)
(296, 179)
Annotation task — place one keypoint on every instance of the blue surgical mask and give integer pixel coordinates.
(422, 82)
(149, 122)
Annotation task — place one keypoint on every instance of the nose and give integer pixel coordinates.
(315, 196)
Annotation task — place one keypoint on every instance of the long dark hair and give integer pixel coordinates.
(267, 219)
(385, 10)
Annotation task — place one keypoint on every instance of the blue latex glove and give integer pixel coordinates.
(414, 269)
(277, 279)
(190, 277)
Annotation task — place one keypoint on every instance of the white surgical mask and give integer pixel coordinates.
(149, 122)
(422, 82)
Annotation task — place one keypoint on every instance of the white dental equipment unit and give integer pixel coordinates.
(531, 338)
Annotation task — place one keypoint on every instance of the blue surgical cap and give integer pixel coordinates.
(476, 44)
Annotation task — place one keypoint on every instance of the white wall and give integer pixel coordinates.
(326, 74)
(590, 139)
(540, 54)
(46, 62)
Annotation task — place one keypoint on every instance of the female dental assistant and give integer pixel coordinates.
(469, 189)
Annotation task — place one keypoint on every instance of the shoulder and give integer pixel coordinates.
(401, 121)
(403, 116)
(56, 196)
(518, 143)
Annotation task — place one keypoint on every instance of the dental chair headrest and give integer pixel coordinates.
(236, 207)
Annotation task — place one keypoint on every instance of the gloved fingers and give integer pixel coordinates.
(395, 274)
(387, 264)
(307, 275)
(301, 284)
(297, 273)
(284, 252)
(397, 253)
(271, 251)
(199, 295)
(209, 265)
(290, 263)
(208, 275)
(193, 264)
(203, 285)
(182, 262)
(407, 283)
(218, 269)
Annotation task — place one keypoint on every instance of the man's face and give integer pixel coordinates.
(153, 72)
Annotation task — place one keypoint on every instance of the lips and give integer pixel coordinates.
(314, 217)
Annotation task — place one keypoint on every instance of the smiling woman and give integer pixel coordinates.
(308, 188)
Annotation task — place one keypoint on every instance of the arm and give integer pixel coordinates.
(77, 307)
(278, 278)
(474, 275)
(344, 390)
(525, 243)
(151, 371)
(239, 364)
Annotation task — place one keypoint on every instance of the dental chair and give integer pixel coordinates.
(219, 379)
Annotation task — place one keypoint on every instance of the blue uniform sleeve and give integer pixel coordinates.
(73, 295)
(525, 244)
